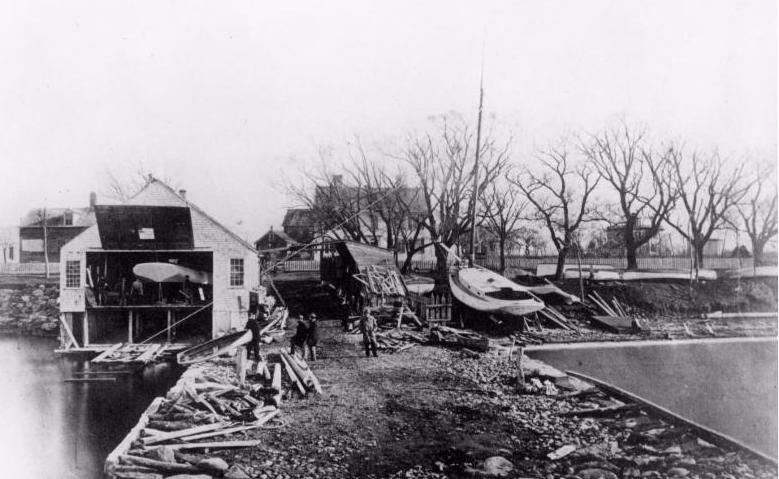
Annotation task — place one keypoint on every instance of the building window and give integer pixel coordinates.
(68, 219)
(73, 274)
(11, 253)
(236, 272)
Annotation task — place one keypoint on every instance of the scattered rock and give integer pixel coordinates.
(596, 473)
(678, 472)
(215, 464)
(236, 472)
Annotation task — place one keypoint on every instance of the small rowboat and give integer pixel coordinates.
(170, 273)
(486, 291)
(213, 348)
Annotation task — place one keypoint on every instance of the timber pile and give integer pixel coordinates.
(557, 318)
(459, 338)
(382, 281)
(275, 329)
(124, 353)
(396, 340)
(616, 319)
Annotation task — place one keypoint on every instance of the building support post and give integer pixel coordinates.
(86, 329)
(130, 326)
(170, 321)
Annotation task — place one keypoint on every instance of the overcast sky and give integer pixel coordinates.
(227, 97)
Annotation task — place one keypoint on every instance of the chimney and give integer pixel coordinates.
(92, 200)
(183, 194)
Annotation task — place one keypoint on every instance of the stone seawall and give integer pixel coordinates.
(30, 309)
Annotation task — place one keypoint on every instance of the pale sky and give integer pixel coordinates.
(227, 97)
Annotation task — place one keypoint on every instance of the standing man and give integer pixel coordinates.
(313, 335)
(345, 310)
(253, 345)
(299, 339)
(136, 290)
(368, 329)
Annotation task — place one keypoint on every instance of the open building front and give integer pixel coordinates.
(155, 269)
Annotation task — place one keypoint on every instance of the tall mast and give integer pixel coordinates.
(475, 199)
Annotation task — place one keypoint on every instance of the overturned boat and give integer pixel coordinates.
(170, 273)
(487, 291)
(215, 347)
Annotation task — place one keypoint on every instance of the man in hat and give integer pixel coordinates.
(300, 338)
(253, 345)
(368, 329)
(313, 335)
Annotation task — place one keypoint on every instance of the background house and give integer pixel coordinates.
(62, 225)
(158, 225)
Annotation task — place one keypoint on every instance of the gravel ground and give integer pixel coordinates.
(433, 412)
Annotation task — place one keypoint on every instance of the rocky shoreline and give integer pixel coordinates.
(433, 412)
(29, 309)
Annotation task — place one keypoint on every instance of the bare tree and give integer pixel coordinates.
(502, 206)
(443, 161)
(530, 240)
(560, 193)
(758, 209)
(6, 242)
(708, 193)
(638, 175)
(122, 188)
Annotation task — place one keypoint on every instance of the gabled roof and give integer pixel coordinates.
(279, 234)
(299, 217)
(156, 193)
(365, 255)
(81, 216)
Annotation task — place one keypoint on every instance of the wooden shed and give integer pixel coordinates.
(189, 269)
(347, 269)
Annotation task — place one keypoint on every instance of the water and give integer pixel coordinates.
(730, 387)
(53, 429)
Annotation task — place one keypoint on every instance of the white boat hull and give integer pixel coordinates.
(472, 287)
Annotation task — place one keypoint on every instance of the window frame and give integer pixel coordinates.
(234, 262)
(69, 276)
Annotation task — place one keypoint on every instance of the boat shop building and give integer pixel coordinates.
(156, 268)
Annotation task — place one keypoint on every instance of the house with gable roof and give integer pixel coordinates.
(156, 268)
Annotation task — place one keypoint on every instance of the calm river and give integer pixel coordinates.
(728, 386)
(53, 429)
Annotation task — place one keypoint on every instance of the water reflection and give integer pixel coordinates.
(53, 429)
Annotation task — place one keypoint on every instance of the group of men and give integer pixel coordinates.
(306, 338)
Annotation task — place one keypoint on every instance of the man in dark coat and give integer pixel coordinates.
(368, 328)
(313, 335)
(253, 345)
(300, 338)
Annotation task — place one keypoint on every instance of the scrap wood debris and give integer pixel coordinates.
(209, 409)
(382, 281)
(275, 329)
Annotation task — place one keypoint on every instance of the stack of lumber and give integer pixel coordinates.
(616, 319)
(201, 413)
(277, 324)
(557, 318)
(299, 374)
(459, 338)
(396, 340)
(382, 281)
(389, 315)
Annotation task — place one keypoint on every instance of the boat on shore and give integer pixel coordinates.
(170, 273)
(486, 291)
(213, 348)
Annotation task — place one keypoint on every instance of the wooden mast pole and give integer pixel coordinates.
(475, 199)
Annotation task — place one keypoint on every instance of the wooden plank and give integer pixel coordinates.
(214, 445)
(221, 432)
(70, 333)
(101, 357)
(554, 320)
(292, 376)
(185, 432)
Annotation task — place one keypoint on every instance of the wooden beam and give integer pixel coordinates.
(169, 323)
(130, 326)
(68, 330)
(85, 327)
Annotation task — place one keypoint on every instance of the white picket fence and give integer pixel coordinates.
(29, 269)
